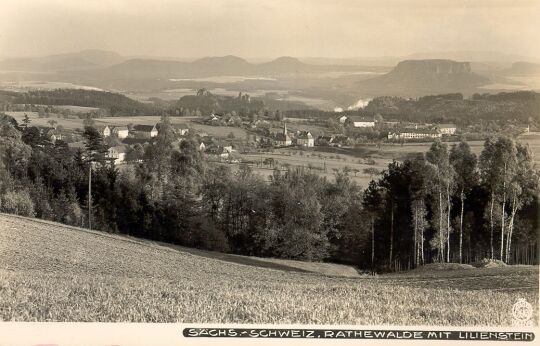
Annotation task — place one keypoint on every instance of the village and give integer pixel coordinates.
(261, 134)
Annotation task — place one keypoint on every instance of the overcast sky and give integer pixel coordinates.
(269, 28)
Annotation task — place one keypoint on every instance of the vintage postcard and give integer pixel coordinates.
(288, 171)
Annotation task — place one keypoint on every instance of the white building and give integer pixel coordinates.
(342, 119)
(105, 131)
(181, 129)
(120, 131)
(361, 122)
(305, 139)
(414, 134)
(117, 153)
(447, 129)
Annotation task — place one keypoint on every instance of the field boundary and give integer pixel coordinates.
(218, 256)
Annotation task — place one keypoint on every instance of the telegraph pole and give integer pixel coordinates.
(90, 196)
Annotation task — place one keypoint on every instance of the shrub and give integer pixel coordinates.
(74, 214)
(17, 202)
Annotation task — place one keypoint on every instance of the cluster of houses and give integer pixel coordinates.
(129, 136)
(50, 133)
(221, 150)
(285, 138)
(401, 131)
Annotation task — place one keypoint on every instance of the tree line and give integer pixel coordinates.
(446, 205)
(520, 107)
(115, 104)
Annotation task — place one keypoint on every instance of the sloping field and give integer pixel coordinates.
(50, 272)
(69, 123)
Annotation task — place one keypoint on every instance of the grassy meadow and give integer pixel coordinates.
(70, 123)
(52, 272)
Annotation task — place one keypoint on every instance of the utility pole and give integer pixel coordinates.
(90, 196)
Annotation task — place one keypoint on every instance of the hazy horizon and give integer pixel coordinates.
(264, 30)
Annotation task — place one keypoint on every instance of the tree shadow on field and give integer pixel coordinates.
(238, 259)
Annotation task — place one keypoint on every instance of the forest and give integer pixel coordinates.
(446, 205)
(522, 107)
(115, 104)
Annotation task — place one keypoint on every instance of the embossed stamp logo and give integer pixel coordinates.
(522, 313)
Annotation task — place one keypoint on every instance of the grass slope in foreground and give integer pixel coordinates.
(50, 272)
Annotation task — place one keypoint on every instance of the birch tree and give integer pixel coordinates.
(419, 190)
(438, 156)
(505, 164)
(521, 190)
(464, 163)
(488, 175)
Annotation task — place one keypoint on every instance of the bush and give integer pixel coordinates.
(74, 214)
(17, 202)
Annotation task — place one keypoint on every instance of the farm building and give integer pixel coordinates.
(220, 151)
(104, 130)
(145, 131)
(181, 129)
(446, 129)
(342, 119)
(205, 143)
(118, 153)
(120, 131)
(361, 122)
(305, 139)
(49, 133)
(389, 124)
(414, 134)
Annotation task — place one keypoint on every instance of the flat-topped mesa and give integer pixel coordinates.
(433, 66)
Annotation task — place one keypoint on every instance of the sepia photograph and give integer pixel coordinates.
(369, 164)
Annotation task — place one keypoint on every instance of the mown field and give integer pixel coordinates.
(50, 272)
(317, 161)
(70, 123)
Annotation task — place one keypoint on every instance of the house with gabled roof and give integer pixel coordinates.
(117, 154)
(305, 139)
(145, 131)
(120, 131)
(181, 129)
(104, 130)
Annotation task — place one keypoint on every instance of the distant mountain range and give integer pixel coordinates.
(211, 66)
(86, 59)
(415, 76)
(110, 65)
